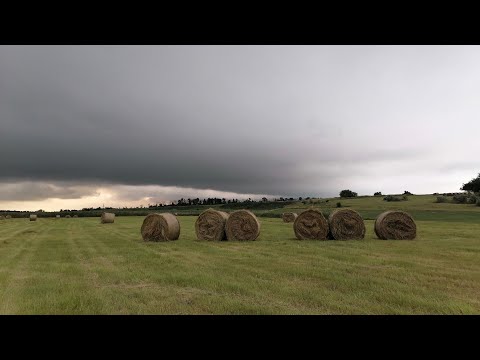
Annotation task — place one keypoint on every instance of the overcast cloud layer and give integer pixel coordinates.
(275, 120)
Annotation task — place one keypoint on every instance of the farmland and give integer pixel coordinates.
(79, 266)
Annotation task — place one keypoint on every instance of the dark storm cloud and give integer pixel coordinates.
(266, 120)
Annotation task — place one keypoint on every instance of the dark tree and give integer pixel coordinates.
(378, 193)
(472, 185)
(347, 194)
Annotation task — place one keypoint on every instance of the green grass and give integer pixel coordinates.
(79, 266)
(421, 207)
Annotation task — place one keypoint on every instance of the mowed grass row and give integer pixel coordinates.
(79, 266)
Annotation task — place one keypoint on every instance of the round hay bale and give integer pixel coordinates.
(2, 217)
(67, 216)
(210, 225)
(8, 217)
(107, 218)
(160, 227)
(346, 224)
(311, 224)
(33, 217)
(57, 216)
(242, 225)
(289, 217)
(395, 225)
(75, 216)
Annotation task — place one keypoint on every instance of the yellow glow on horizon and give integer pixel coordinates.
(119, 196)
(105, 198)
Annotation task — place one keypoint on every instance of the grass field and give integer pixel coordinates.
(79, 266)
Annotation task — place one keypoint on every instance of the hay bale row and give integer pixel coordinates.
(210, 225)
(347, 224)
(289, 217)
(395, 225)
(243, 225)
(160, 227)
(214, 225)
(107, 218)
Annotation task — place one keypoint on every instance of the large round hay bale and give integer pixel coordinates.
(311, 224)
(395, 225)
(289, 217)
(107, 218)
(75, 216)
(2, 217)
(67, 216)
(346, 224)
(8, 217)
(57, 216)
(160, 227)
(242, 225)
(33, 217)
(210, 225)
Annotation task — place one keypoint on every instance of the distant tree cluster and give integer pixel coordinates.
(472, 195)
(348, 194)
(197, 201)
(285, 199)
(395, 198)
(466, 198)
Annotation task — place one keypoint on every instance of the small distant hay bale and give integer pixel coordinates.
(210, 225)
(8, 217)
(33, 217)
(160, 227)
(2, 217)
(107, 218)
(395, 225)
(346, 224)
(311, 224)
(57, 216)
(242, 225)
(67, 216)
(289, 217)
(75, 216)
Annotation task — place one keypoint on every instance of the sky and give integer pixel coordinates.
(89, 126)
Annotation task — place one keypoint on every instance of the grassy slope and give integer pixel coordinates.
(78, 266)
(421, 207)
